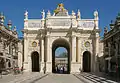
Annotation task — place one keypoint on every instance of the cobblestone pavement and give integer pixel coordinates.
(94, 78)
(54, 78)
(21, 78)
(59, 78)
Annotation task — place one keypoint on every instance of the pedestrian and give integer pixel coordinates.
(80, 70)
(63, 69)
(22, 69)
(1, 73)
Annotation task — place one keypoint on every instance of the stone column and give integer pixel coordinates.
(42, 50)
(25, 52)
(42, 53)
(97, 52)
(20, 59)
(74, 65)
(48, 57)
(73, 49)
(79, 51)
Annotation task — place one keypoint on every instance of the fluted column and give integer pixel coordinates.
(73, 49)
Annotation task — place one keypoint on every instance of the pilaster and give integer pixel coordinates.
(42, 50)
(42, 54)
(47, 54)
(73, 48)
(25, 52)
(79, 51)
(48, 46)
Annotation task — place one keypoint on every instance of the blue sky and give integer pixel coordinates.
(14, 9)
(59, 50)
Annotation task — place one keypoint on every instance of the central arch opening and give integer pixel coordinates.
(60, 56)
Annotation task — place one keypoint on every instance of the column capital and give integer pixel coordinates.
(73, 35)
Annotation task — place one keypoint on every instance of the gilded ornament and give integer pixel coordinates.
(34, 44)
(87, 44)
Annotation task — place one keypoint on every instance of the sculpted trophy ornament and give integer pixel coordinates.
(9, 24)
(43, 14)
(96, 15)
(26, 14)
(73, 13)
(60, 10)
(105, 30)
(78, 14)
(2, 18)
(14, 29)
(48, 13)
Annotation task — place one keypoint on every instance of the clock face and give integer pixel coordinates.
(87, 44)
(34, 44)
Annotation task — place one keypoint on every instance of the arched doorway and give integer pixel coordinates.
(35, 62)
(86, 61)
(61, 64)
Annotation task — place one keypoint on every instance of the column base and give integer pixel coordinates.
(42, 67)
(48, 67)
(75, 67)
(25, 67)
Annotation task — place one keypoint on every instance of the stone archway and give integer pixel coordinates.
(86, 61)
(35, 61)
(60, 43)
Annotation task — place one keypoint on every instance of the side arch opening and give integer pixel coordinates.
(35, 61)
(86, 61)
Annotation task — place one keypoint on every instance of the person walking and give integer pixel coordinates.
(80, 70)
(63, 69)
(0, 73)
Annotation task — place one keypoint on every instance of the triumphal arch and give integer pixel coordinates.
(43, 36)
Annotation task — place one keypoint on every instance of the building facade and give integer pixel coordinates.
(8, 45)
(43, 36)
(112, 47)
